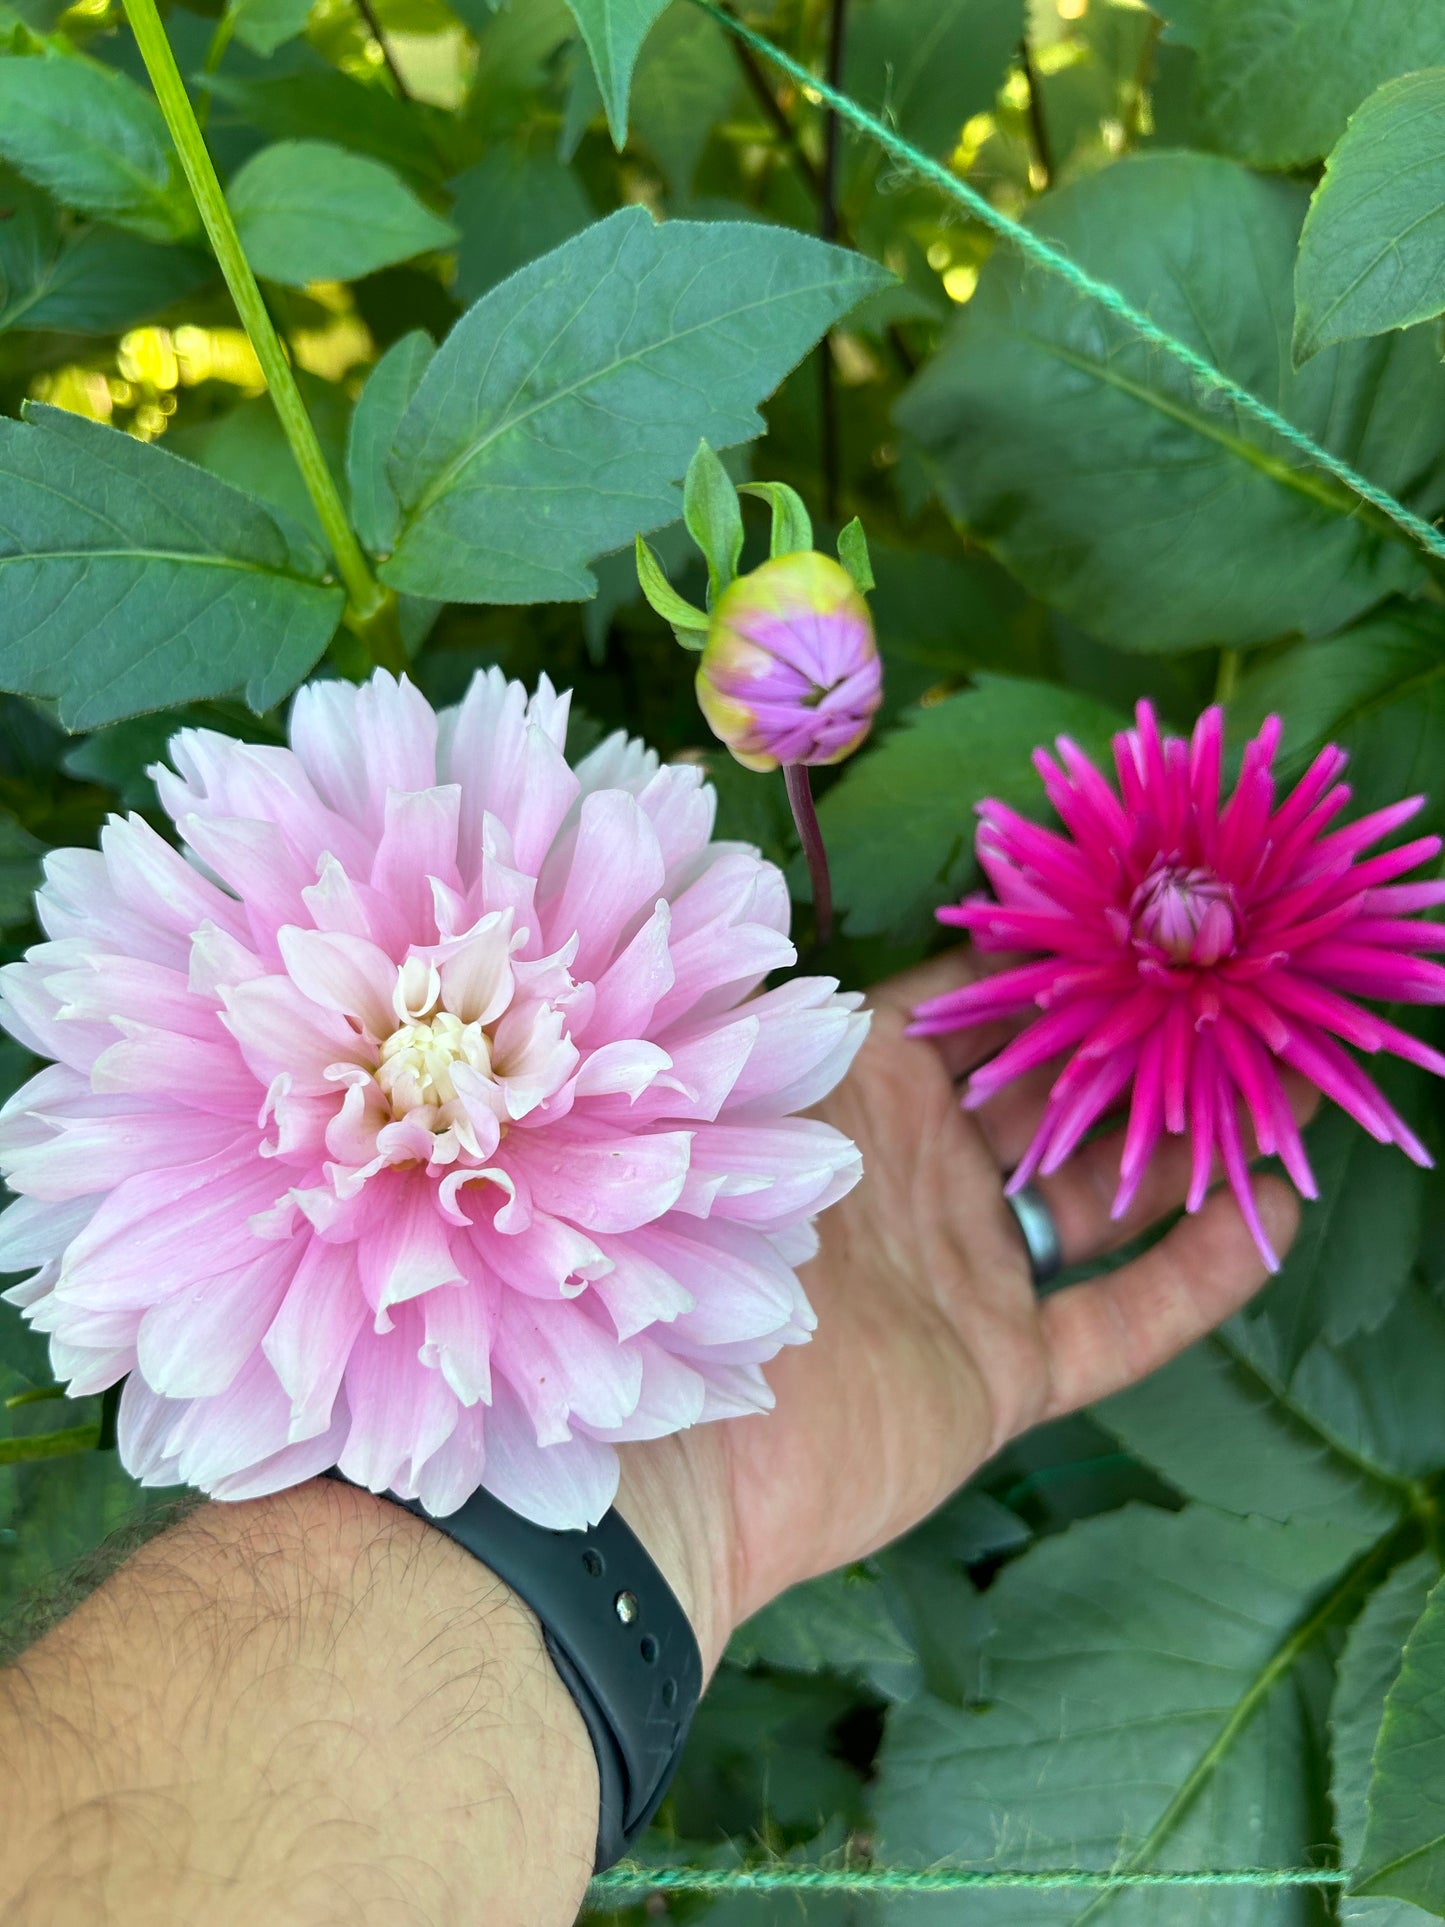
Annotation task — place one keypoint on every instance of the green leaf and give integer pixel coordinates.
(1368, 1668)
(130, 580)
(1357, 1243)
(1321, 690)
(930, 64)
(247, 447)
(714, 518)
(90, 281)
(1278, 79)
(1369, 256)
(841, 1623)
(1377, 691)
(265, 25)
(1218, 1432)
(941, 618)
(315, 102)
(759, 1752)
(94, 140)
(20, 855)
(511, 207)
(1096, 471)
(562, 407)
(308, 211)
(1404, 1846)
(1375, 1396)
(853, 554)
(752, 806)
(1142, 1710)
(120, 756)
(899, 823)
(792, 528)
(686, 82)
(946, 1618)
(52, 1510)
(374, 422)
(614, 31)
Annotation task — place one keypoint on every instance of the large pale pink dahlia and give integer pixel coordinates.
(422, 1118)
(1192, 946)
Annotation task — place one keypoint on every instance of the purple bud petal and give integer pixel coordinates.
(790, 673)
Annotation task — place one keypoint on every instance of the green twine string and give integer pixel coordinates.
(1039, 251)
(632, 1883)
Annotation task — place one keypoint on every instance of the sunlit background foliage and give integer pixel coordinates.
(1161, 1634)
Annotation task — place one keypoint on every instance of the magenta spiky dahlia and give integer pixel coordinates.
(422, 1118)
(1191, 947)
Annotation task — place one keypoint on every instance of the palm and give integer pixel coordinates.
(932, 1348)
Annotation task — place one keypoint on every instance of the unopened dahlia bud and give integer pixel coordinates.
(790, 671)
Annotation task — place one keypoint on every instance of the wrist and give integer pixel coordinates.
(675, 1495)
(304, 1696)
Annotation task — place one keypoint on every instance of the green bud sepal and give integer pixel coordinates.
(688, 624)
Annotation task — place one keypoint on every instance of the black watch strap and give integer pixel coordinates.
(617, 1635)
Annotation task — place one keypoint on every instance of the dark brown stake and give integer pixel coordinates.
(378, 34)
(1038, 126)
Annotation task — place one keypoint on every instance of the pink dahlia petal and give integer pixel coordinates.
(211, 1439)
(417, 851)
(310, 1338)
(743, 1289)
(1190, 945)
(373, 1137)
(195, 1344)
(103, 1151)
(401, 1409)
(34, 1233)
(574, 1479)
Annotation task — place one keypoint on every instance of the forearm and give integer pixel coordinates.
(311, 1708)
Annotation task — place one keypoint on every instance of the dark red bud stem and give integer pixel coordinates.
(800, 796)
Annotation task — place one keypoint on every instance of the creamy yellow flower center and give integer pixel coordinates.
(417, 1061)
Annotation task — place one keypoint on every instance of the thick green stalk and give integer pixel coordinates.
(49, 1445)
(366, 599)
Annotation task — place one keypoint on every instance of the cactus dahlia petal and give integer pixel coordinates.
(422, 1118)
(1189, 947)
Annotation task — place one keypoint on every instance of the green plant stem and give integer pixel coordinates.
(49, 1445)
(800, 797)
(215, 54)
(1227, 681)
(369, 606)
(1148, 54)
(35, 1395)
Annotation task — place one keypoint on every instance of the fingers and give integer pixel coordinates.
(1104, 1335)
(1080, 1194)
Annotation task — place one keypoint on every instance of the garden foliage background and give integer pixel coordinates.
(1160, 1635)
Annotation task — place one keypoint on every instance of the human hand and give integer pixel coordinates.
(933, 1348)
